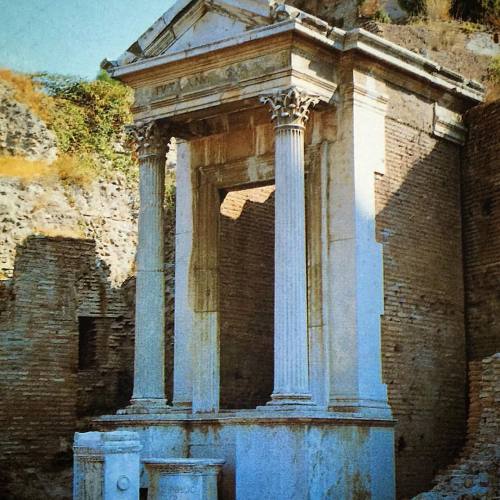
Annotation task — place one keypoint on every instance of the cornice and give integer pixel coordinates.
(335, 39)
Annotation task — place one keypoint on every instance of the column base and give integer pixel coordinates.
(289, 402)
(368, 407)
(146, 406)
(181, 406)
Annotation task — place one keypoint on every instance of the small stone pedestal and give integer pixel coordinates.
(106, 466)
(182, 478)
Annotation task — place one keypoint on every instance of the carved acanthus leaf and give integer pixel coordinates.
(291, 106)
(149, 138)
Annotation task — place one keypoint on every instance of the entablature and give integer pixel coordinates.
(195, 75)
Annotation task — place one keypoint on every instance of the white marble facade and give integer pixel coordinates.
(327, 430)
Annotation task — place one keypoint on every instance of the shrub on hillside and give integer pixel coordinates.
(87, 117)
(432, 9)
(483, 11)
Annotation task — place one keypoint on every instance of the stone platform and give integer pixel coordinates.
(271, 455)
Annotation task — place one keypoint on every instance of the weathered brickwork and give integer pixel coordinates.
(481, 213)
(476, 472)
(45, 393)
(52, 384)
(247, 297)
(423, 339)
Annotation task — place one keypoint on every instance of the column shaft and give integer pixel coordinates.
(290, 110)
(290, 308)
(149, 365)
(151, 140)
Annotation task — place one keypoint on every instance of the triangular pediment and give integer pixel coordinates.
(194, 23)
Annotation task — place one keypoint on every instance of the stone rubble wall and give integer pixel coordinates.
(476, 473)
(22, 133)
(104, 211)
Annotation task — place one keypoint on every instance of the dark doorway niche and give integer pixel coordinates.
(87, 342)
(246, 297)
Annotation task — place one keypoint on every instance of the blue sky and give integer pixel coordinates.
(71, 36)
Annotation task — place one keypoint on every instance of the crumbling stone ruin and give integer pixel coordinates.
(426, 202)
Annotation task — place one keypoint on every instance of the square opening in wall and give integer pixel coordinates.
(87, 342)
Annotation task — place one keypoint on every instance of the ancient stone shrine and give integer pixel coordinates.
(261, 94)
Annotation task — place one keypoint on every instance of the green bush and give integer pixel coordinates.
(88, 118)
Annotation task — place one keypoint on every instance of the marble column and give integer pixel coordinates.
(148, 396)
(290, 110)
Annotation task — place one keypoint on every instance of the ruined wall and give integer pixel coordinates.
(481, 213)
(47, 394)
(44, 390)
(423, 339)
(104, 211)
(476, 472)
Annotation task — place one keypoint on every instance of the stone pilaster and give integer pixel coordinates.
(290, 110)
(148, 396)
(356, 258)
(184, 315)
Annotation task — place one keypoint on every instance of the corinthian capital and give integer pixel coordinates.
(149, 138)
(290, 106)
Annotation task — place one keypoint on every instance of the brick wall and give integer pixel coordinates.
(423, 347)
(246, 263)
(476, 472)
(44, 393)
(481, 213)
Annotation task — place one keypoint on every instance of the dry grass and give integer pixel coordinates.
(438, 10)
(25, 170)
(59, 232)
(27, 92)
(67, 169)
(75, 170)
(369, 8)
